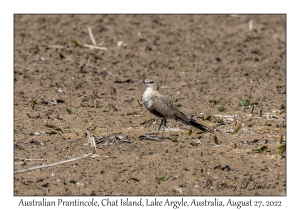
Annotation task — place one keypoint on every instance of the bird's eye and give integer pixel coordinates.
(150, 82)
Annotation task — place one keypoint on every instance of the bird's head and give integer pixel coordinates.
(151, 82)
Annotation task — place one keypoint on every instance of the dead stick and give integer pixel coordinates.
(50, 165)
(91, 140)
(95, 47)
(91, 35)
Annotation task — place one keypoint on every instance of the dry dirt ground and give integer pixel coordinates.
(207, 64)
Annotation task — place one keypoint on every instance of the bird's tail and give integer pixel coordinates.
(190, 121)
(198, 125)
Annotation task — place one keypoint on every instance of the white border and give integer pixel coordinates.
(7, 201)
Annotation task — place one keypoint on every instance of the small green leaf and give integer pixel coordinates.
(69, 110)
(261, 150)
(33, 103)
(51, 133)
(245, 103)
(190, 132)
(39, 179)
(280, 150)
(72, 181)
(163, 178)
(257, 150)
(208, 118)
(76, 43)
(142, 39)
(200, 132)
(98, 106)
(218, 120)
(221, 109)
(264, 148)
(194, 144)
(216, 140)
(281, 139)
(132, 113)
(53, 127)
(174, 139)
(236, 129)
(214, 101)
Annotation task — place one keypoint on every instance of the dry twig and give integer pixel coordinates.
(91, 140)
(53, 164)
(95, 47)
(91, 35)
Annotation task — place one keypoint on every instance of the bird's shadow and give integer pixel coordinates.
(152, 137)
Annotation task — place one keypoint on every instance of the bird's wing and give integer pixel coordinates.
(164, 106)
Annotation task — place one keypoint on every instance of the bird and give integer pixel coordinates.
(161, 106)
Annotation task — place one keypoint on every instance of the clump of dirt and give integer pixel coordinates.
(227, 71)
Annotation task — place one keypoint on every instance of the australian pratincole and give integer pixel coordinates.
(161, 106)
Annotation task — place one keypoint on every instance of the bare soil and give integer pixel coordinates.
(204, 62)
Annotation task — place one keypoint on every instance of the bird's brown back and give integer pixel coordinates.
(163, 105)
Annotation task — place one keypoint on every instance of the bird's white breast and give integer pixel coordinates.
(147, 98)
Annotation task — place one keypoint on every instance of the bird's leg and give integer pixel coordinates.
(165, 124)
(162, 120)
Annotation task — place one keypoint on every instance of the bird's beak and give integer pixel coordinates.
(142, 81)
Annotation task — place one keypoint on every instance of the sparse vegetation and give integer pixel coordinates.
(221, 109)
(69, 110)
(163, 178)
(245, 103)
